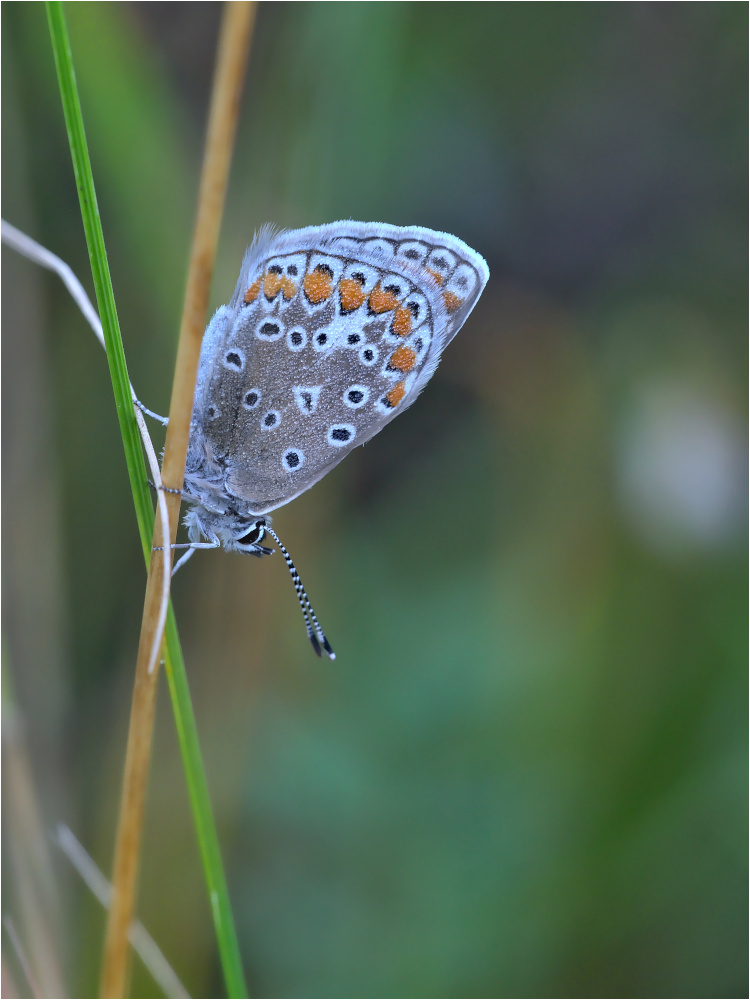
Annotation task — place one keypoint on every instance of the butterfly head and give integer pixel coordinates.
(210, 516)
(244, 534)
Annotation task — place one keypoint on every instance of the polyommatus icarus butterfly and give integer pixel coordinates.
(331, 332)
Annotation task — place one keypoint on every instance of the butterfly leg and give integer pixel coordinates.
(212, 543)
(150, 413)
(183, 559)
(166, 489)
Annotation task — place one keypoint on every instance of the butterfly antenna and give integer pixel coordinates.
(314, 631)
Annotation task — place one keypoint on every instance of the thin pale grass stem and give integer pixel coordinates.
(144, 945)
(234, 42)
(34, 251)
(27, 857)
(10, 929)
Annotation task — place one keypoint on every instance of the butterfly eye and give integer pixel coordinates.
(252, 537)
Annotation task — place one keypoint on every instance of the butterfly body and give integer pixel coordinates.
(331, 332)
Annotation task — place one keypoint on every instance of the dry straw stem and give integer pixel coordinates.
(145, 946)
(30, 865)
(234, 43)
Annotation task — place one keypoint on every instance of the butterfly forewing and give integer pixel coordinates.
(333, 332)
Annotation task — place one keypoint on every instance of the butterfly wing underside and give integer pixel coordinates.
(333, 331)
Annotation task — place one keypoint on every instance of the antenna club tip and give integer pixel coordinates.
(331, 655)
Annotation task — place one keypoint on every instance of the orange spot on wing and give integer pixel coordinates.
(381, 301)
(402, 360)
(397, 393)
(452, 301)
(317, 286)
(252, 293)
(289, 288)
(351, 293)
(435, 274)
(272, 285)
(401, 322)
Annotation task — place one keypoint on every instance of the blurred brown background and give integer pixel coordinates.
(525, 774)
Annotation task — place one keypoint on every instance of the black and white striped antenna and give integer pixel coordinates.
(314, 632)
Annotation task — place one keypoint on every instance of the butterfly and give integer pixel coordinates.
(331, 332)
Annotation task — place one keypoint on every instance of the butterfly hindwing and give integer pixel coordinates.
(332, 332)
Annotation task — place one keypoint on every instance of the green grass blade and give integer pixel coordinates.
(175, 668)
(105, 299)
(187, 732)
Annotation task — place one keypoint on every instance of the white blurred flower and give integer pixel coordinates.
(681, 467)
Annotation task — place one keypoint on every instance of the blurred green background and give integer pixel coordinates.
(525, 774)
